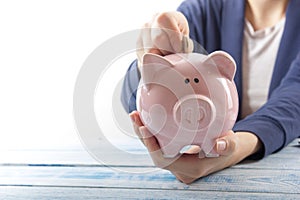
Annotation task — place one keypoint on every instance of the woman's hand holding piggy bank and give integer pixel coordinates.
(186, 99)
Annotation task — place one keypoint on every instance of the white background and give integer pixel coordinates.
(42, 47)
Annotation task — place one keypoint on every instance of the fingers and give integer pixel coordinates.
(143, 133)
(188, 167)
(149, 140)
(160, 38)
(137, 123)
(135, 118)
(176, 27)
(227, 144)
(154, 150)
(166, 33)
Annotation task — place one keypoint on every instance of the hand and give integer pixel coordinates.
(166, 33)
(188, 167)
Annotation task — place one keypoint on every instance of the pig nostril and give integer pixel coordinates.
(187, 80)
(196, 80)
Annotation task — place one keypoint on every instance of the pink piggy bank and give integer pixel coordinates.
(187, 99)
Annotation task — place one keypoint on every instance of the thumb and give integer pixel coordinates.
(227, 144)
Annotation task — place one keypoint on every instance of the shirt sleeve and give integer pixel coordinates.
(277, 122)
(129, 89)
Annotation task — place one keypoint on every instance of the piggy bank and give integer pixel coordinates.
(187, 99)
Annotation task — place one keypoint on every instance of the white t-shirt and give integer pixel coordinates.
(259, 56)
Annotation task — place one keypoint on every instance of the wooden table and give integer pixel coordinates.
(73, 174)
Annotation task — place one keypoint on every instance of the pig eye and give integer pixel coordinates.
(187, 80)
(196, 80)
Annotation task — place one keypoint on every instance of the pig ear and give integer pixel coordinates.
(225, 63)
(152, 65)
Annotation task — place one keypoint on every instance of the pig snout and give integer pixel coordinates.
(194, 112)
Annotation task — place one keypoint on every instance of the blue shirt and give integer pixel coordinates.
(219, 25)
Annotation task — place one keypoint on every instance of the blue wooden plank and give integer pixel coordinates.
(71, 174)
(287, 158)
(63, 193)
(233, 180)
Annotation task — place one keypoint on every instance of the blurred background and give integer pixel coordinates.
(43, 45)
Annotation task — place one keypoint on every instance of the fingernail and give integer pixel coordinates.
(221, 145)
